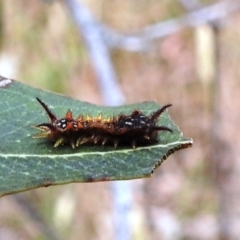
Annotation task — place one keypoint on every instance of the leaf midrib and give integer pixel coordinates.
(125, 151)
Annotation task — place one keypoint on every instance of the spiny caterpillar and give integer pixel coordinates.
(133, 129)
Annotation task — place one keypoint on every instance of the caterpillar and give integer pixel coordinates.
(135, 128)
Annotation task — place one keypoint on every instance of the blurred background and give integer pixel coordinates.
(181, 52)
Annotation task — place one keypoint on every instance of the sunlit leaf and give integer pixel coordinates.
(27, 163)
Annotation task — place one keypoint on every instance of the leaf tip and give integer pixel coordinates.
(185, 144)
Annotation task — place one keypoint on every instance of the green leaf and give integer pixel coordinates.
(27, 163)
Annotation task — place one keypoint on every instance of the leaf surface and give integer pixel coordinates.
(27, 163)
